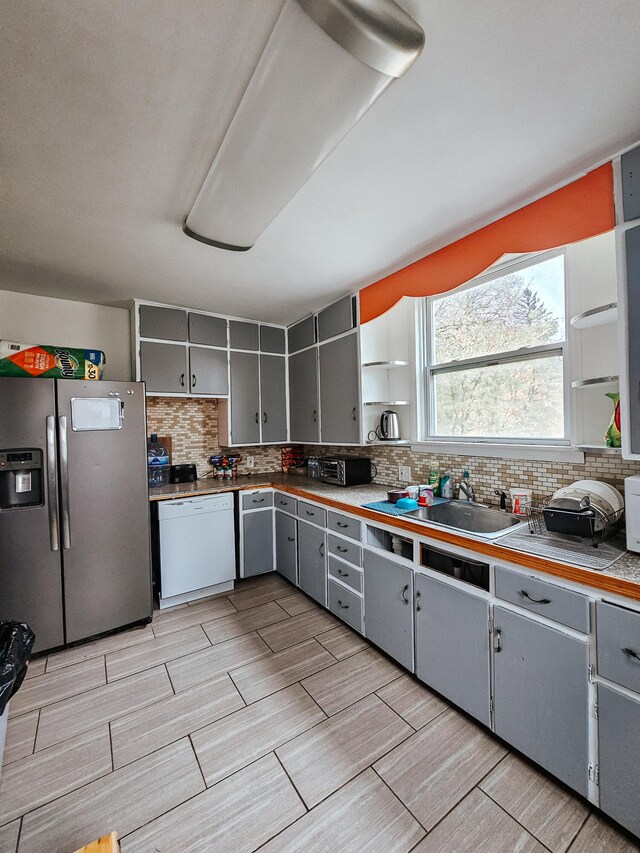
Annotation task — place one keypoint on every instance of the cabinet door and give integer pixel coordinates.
(243, 335)
(618, 727)
(273, 391)
(204, 329)
(312, 562)
(164, 367)
(540, 695)
(337, 318)
(272, 339)
(632, 253)
(303, 396)
(257, 543)
(208, 373)
(388, 615)
(339, 401)
(452, 645)
(168, 324)
(302, 334)
(286, 547)
(245, 400)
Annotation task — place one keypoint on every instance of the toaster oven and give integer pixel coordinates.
(344, 470)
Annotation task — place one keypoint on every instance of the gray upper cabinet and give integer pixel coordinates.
(337, 318)
(452, 645)
(286, 546)
(630, 169)
(208, 371)
(243, 335)
(245, 398)
(257, 542)
(541, 695)
(303, 396)
(388, 613)
(312, 561)
(272, 339)
(164, 367)
(339, 397)
(204, 329)
(273, 394)
(302, 334)
(167, 324)
(619, 757)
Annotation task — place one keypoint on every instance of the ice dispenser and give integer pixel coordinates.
(21, 478)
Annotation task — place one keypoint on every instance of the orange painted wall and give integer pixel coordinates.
(580, 210)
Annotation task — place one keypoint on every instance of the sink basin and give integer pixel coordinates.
(481, 520)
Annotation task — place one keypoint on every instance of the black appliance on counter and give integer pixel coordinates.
(183, 473)
(344, 470)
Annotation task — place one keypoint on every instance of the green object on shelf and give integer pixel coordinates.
(613, 437)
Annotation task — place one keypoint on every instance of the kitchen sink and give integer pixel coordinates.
(470, 517)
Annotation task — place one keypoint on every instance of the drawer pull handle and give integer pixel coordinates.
(193, 380)
(257, 417)
(257, 500)
(632, 654)
(354, 413)
(342, 550)
(182, 379)
(344, 606)
(291, 538)
(405, 589)
(283, 503)
(535, 600)
(498, 645)
(309, 512)
(342, 524)
(343, 574)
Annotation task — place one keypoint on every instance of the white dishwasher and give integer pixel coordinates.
(197, 548)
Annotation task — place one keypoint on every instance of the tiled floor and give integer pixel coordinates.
(258, 721)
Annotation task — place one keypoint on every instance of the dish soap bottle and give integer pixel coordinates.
(157, 462)
(446, 487)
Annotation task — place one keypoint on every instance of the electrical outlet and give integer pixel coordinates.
(250, 462)
(404, 473)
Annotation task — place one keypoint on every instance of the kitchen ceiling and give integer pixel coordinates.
(113, 111)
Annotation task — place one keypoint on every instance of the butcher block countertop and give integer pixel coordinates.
(622, 578)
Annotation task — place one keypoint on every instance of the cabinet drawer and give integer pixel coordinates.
(347, 574)
(286, 503)
(309, 512)
(346, 605)
(350, 527)
(618, 644)
(257, 500)
(562, 605)
(344, 549)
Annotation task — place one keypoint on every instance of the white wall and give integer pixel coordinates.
(42, 320)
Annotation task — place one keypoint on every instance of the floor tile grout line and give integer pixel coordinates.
(513, 817)
(402, 803)
(98, 654)
(195, 755)
(293, 784)
(582, 826)
(171, 684)
(359, 699)
(161, 663)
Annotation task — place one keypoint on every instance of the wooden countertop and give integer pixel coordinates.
(623, 580)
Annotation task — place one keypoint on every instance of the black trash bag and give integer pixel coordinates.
(16, 642)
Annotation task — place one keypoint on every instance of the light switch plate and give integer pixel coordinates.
(404, 473)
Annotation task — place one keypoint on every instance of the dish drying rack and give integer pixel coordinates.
(596, 527)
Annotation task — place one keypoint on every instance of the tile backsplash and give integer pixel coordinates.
(193, 427)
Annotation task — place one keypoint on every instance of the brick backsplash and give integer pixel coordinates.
(193, 427)
(488, 473)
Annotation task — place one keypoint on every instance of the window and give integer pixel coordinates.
(495, 356)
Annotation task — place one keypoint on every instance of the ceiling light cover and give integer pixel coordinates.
(325, 63)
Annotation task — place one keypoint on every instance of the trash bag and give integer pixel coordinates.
(16, 642)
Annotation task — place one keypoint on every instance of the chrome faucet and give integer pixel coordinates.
(465, 488)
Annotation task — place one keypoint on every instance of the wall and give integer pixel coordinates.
(193, 427)
(42, 320)
(487, 473)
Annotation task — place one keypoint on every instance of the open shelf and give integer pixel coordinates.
(386, 364)
(599, 449)
(596, 316)
(388, 403)
(599, 380)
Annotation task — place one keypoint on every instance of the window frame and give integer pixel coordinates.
(432, 369)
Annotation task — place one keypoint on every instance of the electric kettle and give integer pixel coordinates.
(389, 429)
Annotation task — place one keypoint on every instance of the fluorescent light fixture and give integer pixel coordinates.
(325, 63)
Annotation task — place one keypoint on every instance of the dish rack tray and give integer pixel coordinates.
(594, 527)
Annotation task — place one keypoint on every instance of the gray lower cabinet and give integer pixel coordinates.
(273, 394)
(257, 542)
(388, 614)
(245, 398)
(452, 645)
(339, 397)
(164, 367)
(619, 757)
(312, 561)
(286, 547)
(541, 695)
(208, 371)
(303, 396)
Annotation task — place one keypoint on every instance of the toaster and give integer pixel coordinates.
(183, 473)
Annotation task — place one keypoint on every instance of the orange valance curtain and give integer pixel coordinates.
(582, 209)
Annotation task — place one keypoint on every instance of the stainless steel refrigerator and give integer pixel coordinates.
(74, 511)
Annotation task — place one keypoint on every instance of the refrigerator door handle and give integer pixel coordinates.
(64, 482)
(52, 489)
